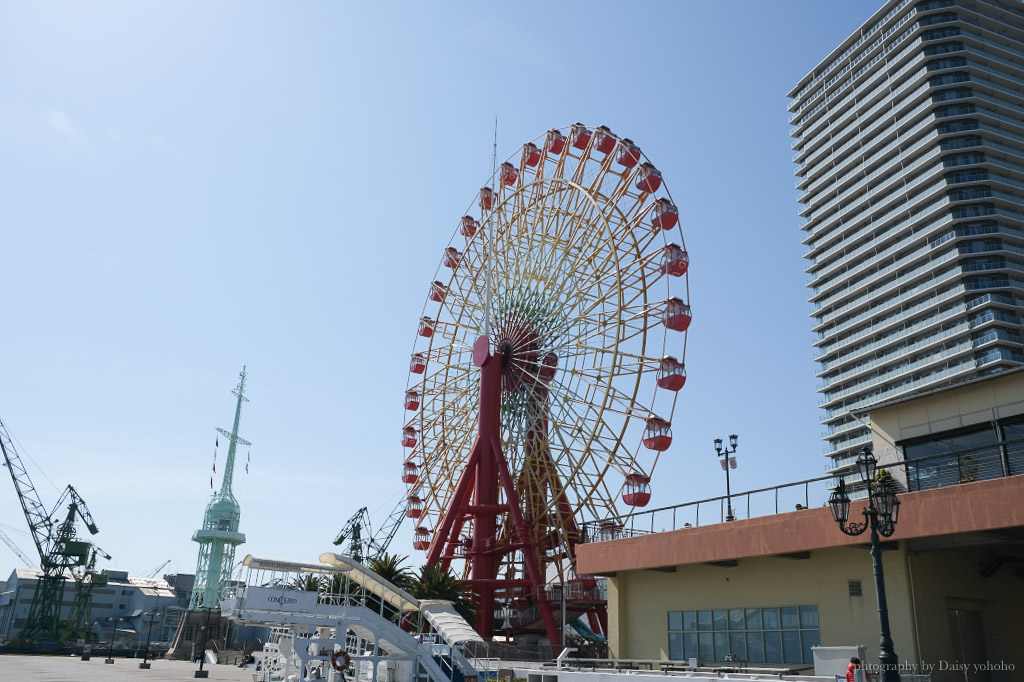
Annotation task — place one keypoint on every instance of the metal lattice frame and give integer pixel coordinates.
(576, 265)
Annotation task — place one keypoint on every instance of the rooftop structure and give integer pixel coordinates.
(909, 142)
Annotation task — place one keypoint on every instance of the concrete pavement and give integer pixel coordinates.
(15, 667)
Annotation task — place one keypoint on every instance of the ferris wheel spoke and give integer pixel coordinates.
(616, 401)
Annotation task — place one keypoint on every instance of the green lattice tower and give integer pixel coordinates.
(219, 535)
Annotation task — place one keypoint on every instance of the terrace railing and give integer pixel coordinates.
(997, 460)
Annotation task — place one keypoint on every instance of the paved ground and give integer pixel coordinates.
(72, 669)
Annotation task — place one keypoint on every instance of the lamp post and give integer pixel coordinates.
(110, 651)
(728, 462)
(149, 637)
(202, 649)
(880, 516)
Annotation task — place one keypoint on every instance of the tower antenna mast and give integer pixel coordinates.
(490, 232)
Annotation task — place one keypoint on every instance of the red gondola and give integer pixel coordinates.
(426, 329)
(531, 155)
(658, 434)
(604, 139)
(469, 226)
(555, 141)
(421, 540)
(486, 198)
(637, 492)
(677, 315)
(629, 153)
(410, 472)
(671, 373)
(451, 259)
(417, 363)
(674, 261)
(437, 291)
(579, 136)
(508, 174)
(414, 507)
(666, 215)
(649, 178)
(412, 400)
(409, 437)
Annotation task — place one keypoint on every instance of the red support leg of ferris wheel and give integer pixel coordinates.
(477, 499)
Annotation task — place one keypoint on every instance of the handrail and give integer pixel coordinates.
(995, 460)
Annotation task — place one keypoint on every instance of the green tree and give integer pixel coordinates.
(389, 567)
(308, 582)
(435, 583)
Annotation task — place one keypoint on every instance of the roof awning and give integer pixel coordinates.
(448, 622)
(284, 566)
(370, 581)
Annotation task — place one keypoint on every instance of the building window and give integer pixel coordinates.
(949, 79)
(1013, 434)
(933, 4)
(963, 159)
(954, 110)
(943, 48)
(955, 93)
(948, 63)
(952, 459)
(940, 33)
(938, 18)
(778, 634)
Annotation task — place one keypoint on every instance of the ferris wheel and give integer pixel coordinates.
(570, 271)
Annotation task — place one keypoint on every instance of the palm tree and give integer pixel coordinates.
(435, 583)
(389, 567)
(308, 582)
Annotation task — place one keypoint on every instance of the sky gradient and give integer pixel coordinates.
(189, 187)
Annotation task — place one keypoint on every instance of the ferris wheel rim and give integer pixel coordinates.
(491, 217)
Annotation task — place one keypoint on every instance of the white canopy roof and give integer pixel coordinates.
(284, 566)
(447, 622)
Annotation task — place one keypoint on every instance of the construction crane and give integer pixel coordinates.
(152, 574)
(61, 554)
(80, 613)
(17, 550)
(363, 544)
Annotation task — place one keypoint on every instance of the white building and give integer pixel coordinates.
(123, 597)
(909, 142)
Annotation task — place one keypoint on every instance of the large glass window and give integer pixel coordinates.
(949, 460)
(1013, 434)
(776, 634)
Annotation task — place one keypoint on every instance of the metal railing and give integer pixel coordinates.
(996, 460)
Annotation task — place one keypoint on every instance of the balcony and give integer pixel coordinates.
(1001, 460)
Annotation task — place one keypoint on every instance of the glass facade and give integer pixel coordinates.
(976, 453)
(776, 634)
(890, 203)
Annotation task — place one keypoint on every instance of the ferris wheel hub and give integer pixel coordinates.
(481, 350)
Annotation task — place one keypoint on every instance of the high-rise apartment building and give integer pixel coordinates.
(909, 141)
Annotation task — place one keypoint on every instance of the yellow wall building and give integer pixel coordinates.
(760, 587)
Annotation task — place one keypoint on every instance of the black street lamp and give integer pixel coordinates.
(202, 649)
(149, 637)
(880, 515)
(110, 652)
(728, 462)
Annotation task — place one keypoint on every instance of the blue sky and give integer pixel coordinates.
(189, 187)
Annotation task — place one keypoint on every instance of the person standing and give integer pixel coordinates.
(853, 671)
